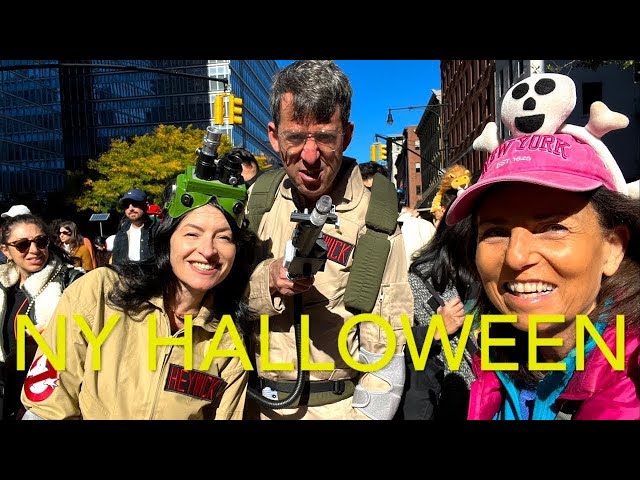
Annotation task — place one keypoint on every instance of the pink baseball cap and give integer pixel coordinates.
(557, 161)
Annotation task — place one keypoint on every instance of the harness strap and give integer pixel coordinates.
(313, 394)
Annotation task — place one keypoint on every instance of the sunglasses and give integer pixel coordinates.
(135, 204)
(64, 232)
(41, 241)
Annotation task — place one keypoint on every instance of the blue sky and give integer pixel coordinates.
(382, 84)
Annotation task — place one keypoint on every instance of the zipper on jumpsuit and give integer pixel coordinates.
(380, 299)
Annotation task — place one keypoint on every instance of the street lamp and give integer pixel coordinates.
(429, 156)
(390, 117)
(431, 106)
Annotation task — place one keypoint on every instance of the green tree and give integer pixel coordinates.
(591, 64)
(263, 162)
(147, 162)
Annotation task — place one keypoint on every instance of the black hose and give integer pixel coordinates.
(297, 390)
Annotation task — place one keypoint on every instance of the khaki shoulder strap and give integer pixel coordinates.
(263, 194)
(370, 256)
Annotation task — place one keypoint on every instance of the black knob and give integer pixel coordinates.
(187, 200)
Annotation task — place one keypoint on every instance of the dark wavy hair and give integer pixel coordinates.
(31, 219)
(139, 281)
(444, 260)
(622, 288)
(369, 169)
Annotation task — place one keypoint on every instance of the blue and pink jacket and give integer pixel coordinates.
(603, 393)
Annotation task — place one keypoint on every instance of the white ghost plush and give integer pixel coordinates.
(540, 104)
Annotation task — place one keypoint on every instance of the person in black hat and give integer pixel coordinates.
(133, 240)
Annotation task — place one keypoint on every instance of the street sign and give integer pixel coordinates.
(99, 217)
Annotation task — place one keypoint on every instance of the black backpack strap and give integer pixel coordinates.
(263, 194)
(372, 251)
(434, 293)
(69, 274)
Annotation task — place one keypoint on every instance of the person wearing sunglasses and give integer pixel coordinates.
(310, 129)
(73, 243)
(12, 212)
(133, 240)
(197, 275)
(31, 283)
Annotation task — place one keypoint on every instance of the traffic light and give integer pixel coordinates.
(383, 152)
(374, 152)
(218, 110)
(235, 110)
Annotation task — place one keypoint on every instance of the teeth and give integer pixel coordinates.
(202, 266)
(530, 287)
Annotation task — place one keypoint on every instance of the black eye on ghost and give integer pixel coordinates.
(542, 87)
(545, 86)
(520, 91)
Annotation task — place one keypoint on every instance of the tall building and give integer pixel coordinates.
(394, 149)
(468, 97)
(453, 119)
(54, 118)
(434, 151)
(409, 169)
(31, 146)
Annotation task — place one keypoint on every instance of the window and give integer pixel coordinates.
(591, 92)
(417, 167)
(418, 189)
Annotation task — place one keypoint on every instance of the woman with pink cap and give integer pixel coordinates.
(554, 237)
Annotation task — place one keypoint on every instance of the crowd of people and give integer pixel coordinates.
(391, 313)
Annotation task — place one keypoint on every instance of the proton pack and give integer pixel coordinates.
(373, 247)
(211, 177)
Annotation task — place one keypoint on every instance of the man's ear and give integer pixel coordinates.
(348, 135)
(272, 131)
(617, 241)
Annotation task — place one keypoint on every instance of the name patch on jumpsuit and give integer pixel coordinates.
(192, 383)
(339, 250)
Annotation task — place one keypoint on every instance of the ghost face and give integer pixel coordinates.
(538, 104)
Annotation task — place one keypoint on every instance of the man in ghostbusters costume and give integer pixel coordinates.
(310, 103)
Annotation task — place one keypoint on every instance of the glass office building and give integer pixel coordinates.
(54, 120)
(31, 147)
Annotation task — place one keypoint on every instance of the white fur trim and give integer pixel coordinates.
(45, 303)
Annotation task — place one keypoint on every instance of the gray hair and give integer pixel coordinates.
(319, 87)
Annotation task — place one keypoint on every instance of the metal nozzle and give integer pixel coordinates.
(211, 141)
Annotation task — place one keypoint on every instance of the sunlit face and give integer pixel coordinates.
(313, 165)
(202, 250)
(31, 260)
(542, 251)
(64, 234)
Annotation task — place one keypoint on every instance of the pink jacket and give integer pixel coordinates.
(605, 394)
